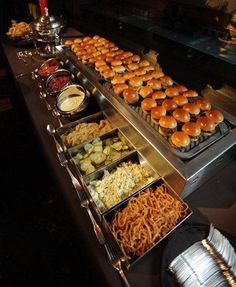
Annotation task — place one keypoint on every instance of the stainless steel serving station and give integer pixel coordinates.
(183, 173)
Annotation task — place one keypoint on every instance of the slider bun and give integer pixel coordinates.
(118, 69)
(98, 44)
(96, 37)
(130, 96)
(110, 45)
(100, 63)
(92, 42)
(68, 43)
(128, 75)
(135, 82)
(109, 59)
(215, 115)
(104, 51)
(180, 139)
(154, 84)
(206, 124)
(181, 115)
(166, 81)
(147, 104)
(146, 77)
(77, 40)
(192, 108)
(118, 80)
(135, 58)
(171, 92)
(108, 74)
(145, 91)
(190, 94)
(127, 54)
(133, 67)
(96, 54)
(127, 61)
(169, 105)
(157, 113)
(181, 88)
(148, 68)
(140, 72)
(156, 74)
(119, 88)
(159, 95)
(192, 129)
(119, 52)
(102, 40)
(103, 68)
(86, 39)
(204, 104)
(144, 63)
(180, 100)
(114, 49)
(168, 122)
(116, 63)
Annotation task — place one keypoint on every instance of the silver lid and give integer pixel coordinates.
(47, 22)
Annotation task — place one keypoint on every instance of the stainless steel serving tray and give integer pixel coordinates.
(109, 215)
(80, 149)
(134, 157)
(66, 129)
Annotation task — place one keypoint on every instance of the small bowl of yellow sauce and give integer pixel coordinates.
(72, 100)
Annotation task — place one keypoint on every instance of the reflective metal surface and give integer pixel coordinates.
(183, 176)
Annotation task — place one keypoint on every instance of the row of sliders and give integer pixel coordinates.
(181, 114)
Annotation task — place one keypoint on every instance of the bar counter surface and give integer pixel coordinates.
(214, 202)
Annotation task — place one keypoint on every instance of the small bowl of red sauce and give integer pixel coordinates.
(58, 81)
(48, 67)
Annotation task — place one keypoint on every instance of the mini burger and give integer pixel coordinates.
(166, 81)
(154, 84)
(167, 126)
(156, 74)
(128, 75)
(157, 113)
(193, 109)
(159, 96)
(147, 104)
(181, 88)
(181, 116)
(179, 140)
(135, 59)
(119, 88)
(145, 92)
(191, 95)
(118, 80)
(146, 77)
(135, 82)
(180, 100)
(207, 125)
(169, 105)
(171, 92)
(193, 130)
(144, 63)
(204, 105)
(130, 96)
(215, 115)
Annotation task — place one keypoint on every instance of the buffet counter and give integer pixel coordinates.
(214, 202)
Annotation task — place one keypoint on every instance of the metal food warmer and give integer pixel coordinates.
(184, 171)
